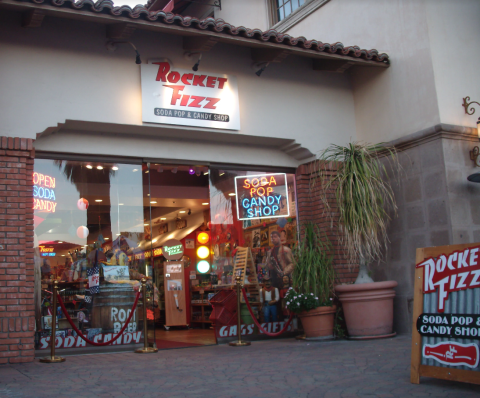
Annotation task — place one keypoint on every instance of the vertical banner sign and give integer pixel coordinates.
(179, 96)
(446, 335)
(262, 196)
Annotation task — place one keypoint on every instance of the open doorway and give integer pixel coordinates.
(176, 213)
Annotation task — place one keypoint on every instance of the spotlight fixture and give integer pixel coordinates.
(115, 168)
(99, 167)
(221, 173)
(174, 170)
(262, 68)
(89, 166)
(163, 218)
(147, 171)
(191, 171)
(206, 173)
(198, 172)
(195, 67)
(205, 204)
(112, 46)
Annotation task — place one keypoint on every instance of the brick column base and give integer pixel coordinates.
(17, 313)
(311, 208)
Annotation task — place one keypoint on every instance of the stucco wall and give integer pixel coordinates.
(49, 77)
(401, 99)
(249, 13)
(454, 30)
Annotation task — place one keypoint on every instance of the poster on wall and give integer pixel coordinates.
(447, 292)
(178, 96)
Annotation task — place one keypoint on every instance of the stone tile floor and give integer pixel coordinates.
(277, 368)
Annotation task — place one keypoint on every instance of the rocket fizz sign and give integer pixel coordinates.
(262, 196)
(446, 313)
(178, 96)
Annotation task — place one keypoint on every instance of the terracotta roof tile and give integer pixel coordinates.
(140, 12)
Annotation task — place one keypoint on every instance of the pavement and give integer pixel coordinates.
(273, 368)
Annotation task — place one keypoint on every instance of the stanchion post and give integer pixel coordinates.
(146, 349)
(239, 343)
(52, 358)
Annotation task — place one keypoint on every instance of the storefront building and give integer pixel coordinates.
(106, 161)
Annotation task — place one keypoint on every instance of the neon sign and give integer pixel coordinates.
(46, 251)
(43, 193)
(262, 196)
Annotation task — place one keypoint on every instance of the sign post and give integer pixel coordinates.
(446, 316)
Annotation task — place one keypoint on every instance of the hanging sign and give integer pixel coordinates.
(445, 341)
(172, 249)
(262, 196)
(179, 96)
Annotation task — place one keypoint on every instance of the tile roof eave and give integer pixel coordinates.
(103, 11)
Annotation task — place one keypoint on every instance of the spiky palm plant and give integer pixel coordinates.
(313, 264)
(362, 196)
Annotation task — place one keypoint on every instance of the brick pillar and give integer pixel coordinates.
(311, 208)
(17, 314)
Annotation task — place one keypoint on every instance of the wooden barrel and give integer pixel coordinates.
(111, 308)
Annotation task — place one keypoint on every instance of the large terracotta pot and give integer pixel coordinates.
(368, 309)
(318, 323)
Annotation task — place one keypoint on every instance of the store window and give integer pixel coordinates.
(89, 221)
(253, 229)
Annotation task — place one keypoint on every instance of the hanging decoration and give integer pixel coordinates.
(82, 204)
(82, 232)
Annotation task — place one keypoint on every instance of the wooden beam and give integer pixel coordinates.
(32, 18)
(198, 44)
(264, 55)
(120, 31)
(332, 65)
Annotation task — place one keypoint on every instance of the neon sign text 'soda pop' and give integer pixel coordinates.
(262, 196)
(44, 193)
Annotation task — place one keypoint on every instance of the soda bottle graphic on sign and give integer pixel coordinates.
(454, 354)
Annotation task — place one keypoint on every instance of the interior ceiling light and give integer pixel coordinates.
(89, 166)
(183, 211)
(174, 170)
(206, 173)
(120, 204)
(205, 204)
(231, 194)
(146, 223)
(98, 200)
(135, 170)
(154, 240)
(114, 168)
(163, 218)
(99, 167)
(107, 238)
(147, 171)
(221, 173)
(60, 242)
(153, 202)
(118, 234)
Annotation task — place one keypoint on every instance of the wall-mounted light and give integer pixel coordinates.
(260, 68)
(191, 171)
(174, 170)
(112, 46)
(475, 152)
(221, 173)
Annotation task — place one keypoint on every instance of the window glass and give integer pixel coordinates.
(88, 220)
(253, 217)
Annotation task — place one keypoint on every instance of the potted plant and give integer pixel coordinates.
(362, 200)
(312, 279)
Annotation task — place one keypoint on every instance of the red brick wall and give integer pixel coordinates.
(311, 208)
(17, 314)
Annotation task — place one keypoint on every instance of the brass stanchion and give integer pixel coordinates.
(239, 343)
(52, 358)
(146, 349)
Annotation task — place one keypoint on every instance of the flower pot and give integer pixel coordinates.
(318, 323)
(368, 309)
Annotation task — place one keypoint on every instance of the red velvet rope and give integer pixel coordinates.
(260, 326)
(81, 334)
